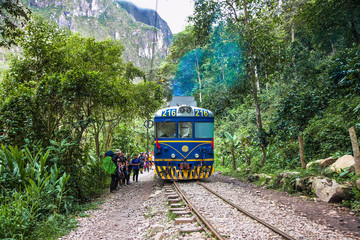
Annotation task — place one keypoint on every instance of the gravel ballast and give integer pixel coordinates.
(140, 211)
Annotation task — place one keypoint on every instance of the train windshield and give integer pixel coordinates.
(185, 130)
(166, 129)
(204, 130)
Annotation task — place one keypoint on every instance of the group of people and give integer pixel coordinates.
(125, 166)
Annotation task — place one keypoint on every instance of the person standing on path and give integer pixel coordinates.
(142, 162)
(135, 166)
(122, 165)
(128, 169)
(116, 160)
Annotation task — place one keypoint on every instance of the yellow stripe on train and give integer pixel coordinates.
(171, 173)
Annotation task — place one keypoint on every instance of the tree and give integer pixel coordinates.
(233, 144)
(256, 29)
(12, 16)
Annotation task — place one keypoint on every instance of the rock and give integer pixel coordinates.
(288, 174)
(343, 162)
(156, 228)
(155, 194)
(322, 162)
(358, 184)
(267, 178)
(159, 236)
(328, 190)
(157, 212)
(253, 178)
(299, 183)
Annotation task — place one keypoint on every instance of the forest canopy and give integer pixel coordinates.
(276, 70)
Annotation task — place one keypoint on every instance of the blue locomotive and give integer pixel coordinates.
(184, 143)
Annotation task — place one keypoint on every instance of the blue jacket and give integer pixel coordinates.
(135, 162)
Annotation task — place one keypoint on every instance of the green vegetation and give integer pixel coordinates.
(272, 71)
(171, 216)
(63, 104)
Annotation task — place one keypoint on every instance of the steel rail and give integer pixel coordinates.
(192, 208)
(278, 231)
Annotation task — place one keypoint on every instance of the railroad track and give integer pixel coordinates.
(218, 232)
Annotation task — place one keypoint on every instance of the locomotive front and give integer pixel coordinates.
(184, 143)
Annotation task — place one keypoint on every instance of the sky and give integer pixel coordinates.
(174, 12)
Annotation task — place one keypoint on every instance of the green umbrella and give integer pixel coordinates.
(109, 165)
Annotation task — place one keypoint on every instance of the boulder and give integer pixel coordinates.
(156, 228)
(253, 178)
(346, 161)
(358, 184)
(159, 236)
(328, 190)
(265, 177)
(299, 183)
(322, 162)
(287, 174)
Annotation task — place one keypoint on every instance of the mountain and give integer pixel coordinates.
(121, 20)
(149, 17)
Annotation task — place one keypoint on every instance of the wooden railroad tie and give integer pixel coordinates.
(190, 229)
(184, 220)
(172, 196)
(174, 200)
(177, 209)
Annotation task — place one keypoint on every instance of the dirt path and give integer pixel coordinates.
(121, 216)
(132, 212)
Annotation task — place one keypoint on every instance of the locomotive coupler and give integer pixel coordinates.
(184, 166)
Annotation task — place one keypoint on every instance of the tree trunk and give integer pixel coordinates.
(301, 149)
(353, 27)
(233, 158)
(223, 162)
(248, 161)
(257, 79)
(97, 142)
(263, 155)
(253, 80)
(356, 151)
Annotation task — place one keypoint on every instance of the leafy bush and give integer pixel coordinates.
(33, 193)
(330, 134)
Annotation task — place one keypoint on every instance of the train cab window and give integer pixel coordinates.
(204, 130)
(185, 130)
(166, 129)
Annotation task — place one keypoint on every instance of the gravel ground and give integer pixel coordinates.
(300, 218)
(121, 216)
(140, 211)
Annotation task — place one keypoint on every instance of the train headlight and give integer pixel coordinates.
(197, 155)
(181, 110)
(173, 155)
(188, 110)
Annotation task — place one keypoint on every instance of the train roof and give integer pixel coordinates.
(194, 112)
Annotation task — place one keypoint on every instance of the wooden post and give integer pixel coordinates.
(301, 149)
(356, 151)
(223, 163)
